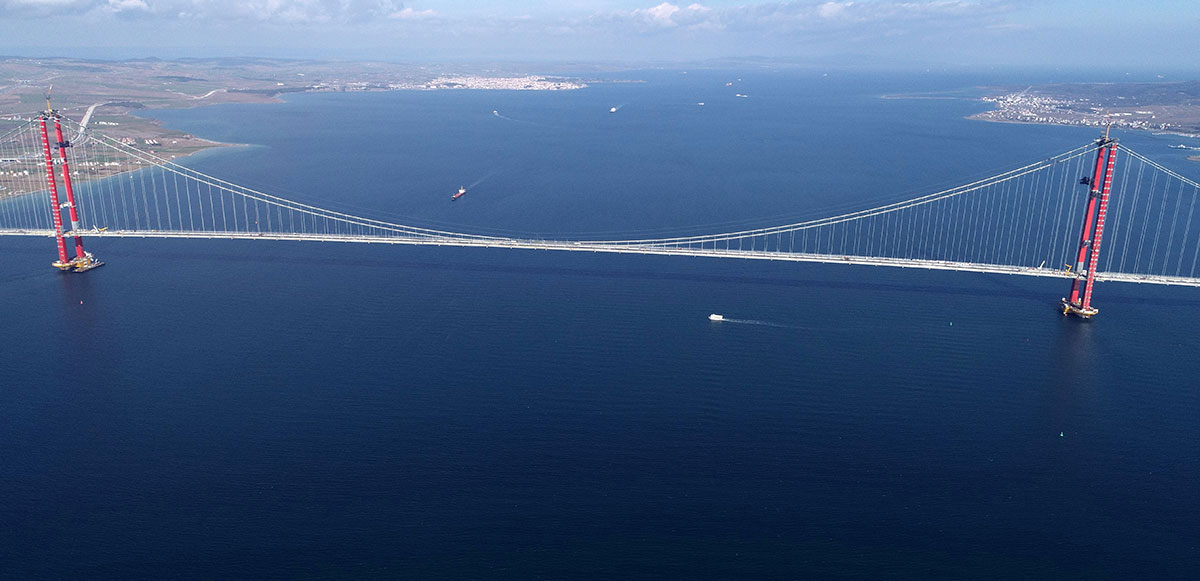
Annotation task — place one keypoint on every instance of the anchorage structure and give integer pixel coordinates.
(83, 261)
(1079, 302)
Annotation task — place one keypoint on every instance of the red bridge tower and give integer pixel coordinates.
(83, 260)
(1079, 303)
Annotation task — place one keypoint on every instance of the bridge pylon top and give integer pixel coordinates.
(49, 112)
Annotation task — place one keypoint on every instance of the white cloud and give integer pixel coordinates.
(256, 11)
(677, 27)
(817, 16)
(799, 16)
(665, 16)
(17, 4)
(832, 9)
(127, 5)
(1030, 31)
(660, 14)
(410, 14)
(15, 9)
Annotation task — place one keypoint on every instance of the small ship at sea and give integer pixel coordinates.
(461, 192)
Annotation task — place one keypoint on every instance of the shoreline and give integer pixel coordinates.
(439, 84)
(985, 118)
(980, 117)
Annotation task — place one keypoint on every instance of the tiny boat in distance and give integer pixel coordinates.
(716, 317)
(460, 193)
(612, 109)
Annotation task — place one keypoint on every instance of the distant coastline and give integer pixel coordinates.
(116, 96)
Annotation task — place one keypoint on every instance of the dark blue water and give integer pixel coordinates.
(260, 409)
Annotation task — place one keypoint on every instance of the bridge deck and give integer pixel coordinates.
(665, 250)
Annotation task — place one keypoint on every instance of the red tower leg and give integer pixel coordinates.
(66, 175)
(1089, 218)
(1102, 213)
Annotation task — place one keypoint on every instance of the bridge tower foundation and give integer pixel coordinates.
(1079, 302)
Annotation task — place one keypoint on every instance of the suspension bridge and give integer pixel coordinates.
(1047, 218)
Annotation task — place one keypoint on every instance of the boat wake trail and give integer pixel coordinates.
(755, 322)
(480, 180)
(496, 114)
(761, 323)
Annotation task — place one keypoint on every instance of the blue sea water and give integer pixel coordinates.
(217, 409)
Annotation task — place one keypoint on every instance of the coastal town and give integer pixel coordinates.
(1158, 107)
(476, 82)
(458, 82)
(1026, 108)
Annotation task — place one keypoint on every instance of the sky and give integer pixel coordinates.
(885, 33)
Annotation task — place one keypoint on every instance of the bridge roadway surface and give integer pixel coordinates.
(629, 248)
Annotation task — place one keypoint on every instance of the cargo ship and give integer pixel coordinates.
(461, 192)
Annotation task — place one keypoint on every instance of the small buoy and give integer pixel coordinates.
(1060, 434)
(951, 323)
(81, 302)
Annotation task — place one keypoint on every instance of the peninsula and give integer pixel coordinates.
(113, 91)
(1165, 107)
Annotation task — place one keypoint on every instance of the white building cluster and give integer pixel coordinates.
(527, 83)
(1025, 107)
